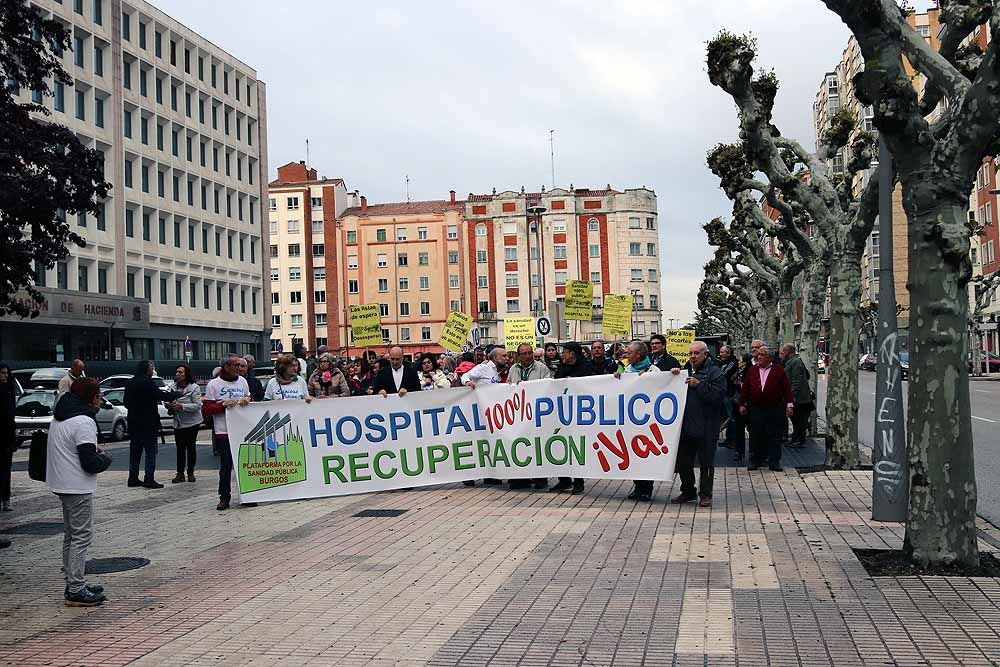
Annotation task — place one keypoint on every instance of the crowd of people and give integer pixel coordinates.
(734, 394)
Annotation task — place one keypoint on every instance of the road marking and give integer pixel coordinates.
(983, 419)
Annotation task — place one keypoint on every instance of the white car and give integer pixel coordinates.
(119, 382)
(116, 397)
(33, 412)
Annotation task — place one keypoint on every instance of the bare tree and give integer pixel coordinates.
(843, 221)
(938, 140)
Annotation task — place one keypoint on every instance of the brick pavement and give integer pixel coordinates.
(487, 576)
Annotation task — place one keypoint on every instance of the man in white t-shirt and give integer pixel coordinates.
(229, 389)
(487, 372)
(71, 469)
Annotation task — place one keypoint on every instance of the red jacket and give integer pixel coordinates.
(776, 393)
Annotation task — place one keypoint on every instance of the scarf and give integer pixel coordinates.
(642, 365)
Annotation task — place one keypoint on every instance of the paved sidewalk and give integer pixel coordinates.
(487, 576)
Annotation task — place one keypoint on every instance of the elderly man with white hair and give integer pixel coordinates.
(766, 396)
(487, 372)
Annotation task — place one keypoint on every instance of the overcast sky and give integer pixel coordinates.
(462, 95)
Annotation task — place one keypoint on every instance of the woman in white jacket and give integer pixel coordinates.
(186, 410)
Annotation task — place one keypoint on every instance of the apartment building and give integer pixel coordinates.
(303, 210)
(175, 254)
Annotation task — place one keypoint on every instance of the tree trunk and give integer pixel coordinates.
(842, 385)
(942, 521)
(786, 325)
(817, 275)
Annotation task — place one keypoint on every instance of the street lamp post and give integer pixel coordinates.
(536, 212)
(635, 313)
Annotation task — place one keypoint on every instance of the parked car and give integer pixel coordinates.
(264, 373)
(119, 382)
(904, 365)
(40, 378)
(988, 362)
(116, 397)
(33, 412)
(868, 362)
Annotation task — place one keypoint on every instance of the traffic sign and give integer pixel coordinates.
(543, 326)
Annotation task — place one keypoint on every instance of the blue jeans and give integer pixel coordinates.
(142, 442)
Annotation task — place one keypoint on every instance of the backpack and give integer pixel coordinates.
(38, 455)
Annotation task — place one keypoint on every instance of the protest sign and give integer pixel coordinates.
(617, 314)
(456, 331)
(596, 427)
(579, 300)
(679, 343)
(366, 325)
(517, 330)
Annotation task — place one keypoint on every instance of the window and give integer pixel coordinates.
(593, 225)
(162, 229)
(274, 251)
(650, 223)
(98, 12)
(453, 281)
(295, 273)
(652, 275)
(319, 273)
(83, 279)
(293, 203)
(383, 310)
(163, 291)
(480, 229)
(380, 235)
(58, 99)
(559, 252)
(484, 307)
(272, 204)
(989, 213)
(425, 282)
(421, 233)
(453, 257)
(146, 233)
(654, 301)
(352, 286)
(512, 280)
(319, 296)
(483, 282)
(510, 227)
(481, 256)
(560, 277)
(456, 305)
(352, 261)
(404, 284)
(276, 321)
(513, 305)
(81, 105)
(293, 226)
(78, 51)
(637, 275)
(274, 274)
(320, 319)
(595, 276)
(295, 297)
(974, 254)
(318, 249)
(383, 284)
(401, 234)
(651, 249)
(452, 231)
(510, 254)
(402, 259)
(423, 259)
(296, 321)
(404, 334)
(634, 223)
(275, 298)
(62, 275)
(382, 261)
(404, 309)
(558, 225)
(425, 333)
(634, 249)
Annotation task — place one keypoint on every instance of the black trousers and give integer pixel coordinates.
(225, 466)
(6, 459)
(736, 432)
(800, 421)
(186, 440)
(767, 426)
(702, 449)
(142, 442)
(643, 485)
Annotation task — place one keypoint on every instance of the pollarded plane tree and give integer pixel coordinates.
(938, 140)
(841, 216)
(748, 294)
(723, 313)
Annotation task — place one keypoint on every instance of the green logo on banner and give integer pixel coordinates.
(273, 455)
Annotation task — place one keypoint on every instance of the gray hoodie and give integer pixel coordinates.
(190, 412)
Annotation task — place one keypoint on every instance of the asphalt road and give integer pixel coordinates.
(985, 396)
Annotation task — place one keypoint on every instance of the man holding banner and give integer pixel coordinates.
(572, 365)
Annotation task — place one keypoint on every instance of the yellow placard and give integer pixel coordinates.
(579, 300)
(456, 331)
(518, 330)
(366, 325)
(617, 314)
(679, 343)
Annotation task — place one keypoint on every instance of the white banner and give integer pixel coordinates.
(596, 427)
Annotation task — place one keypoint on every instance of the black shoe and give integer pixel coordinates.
(96, 589)
(645, 497)
(492, 482)
(178, 479)
(151, 484)
(223, 504)
(84, 598)
(541, 485)
(4, 543)
(134, 482)
(561, 486)
(775, 468)
(469, 482)
(752, 467)
(516, 484)
(633, 496)
(681, 499)
(577, 488)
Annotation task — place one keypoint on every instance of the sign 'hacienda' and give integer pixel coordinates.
(599, 427)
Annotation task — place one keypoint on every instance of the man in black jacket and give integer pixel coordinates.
(658, 353)
(142, 400)
(599, 359)
(572, 364)
(256, 388)
(396, 377)
(706, 390)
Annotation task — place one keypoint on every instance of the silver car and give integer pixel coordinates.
(117, 398)
(33, 412)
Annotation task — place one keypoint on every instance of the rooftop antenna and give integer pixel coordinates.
(552, 154)
(307, 153)
(407, 188)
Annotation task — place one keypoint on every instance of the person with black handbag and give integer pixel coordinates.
(8, 434)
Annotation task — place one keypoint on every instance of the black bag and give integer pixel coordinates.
(38, 455)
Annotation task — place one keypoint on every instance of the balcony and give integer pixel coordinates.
(486, 316)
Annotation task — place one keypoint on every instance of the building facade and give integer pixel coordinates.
(302, 209)
(181, 125)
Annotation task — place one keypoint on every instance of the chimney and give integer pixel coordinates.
(302, 161)
(364, 203)
(452, 192)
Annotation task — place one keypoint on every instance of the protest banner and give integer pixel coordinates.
(596, 427)
(679, 343)
(579, 300)
(617, 314)
(366, 325)
(517, 330)
(456, 331)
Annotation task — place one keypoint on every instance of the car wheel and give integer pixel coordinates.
(118, 432)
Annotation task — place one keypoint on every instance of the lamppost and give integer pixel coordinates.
(635, 313)
(536, 211)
